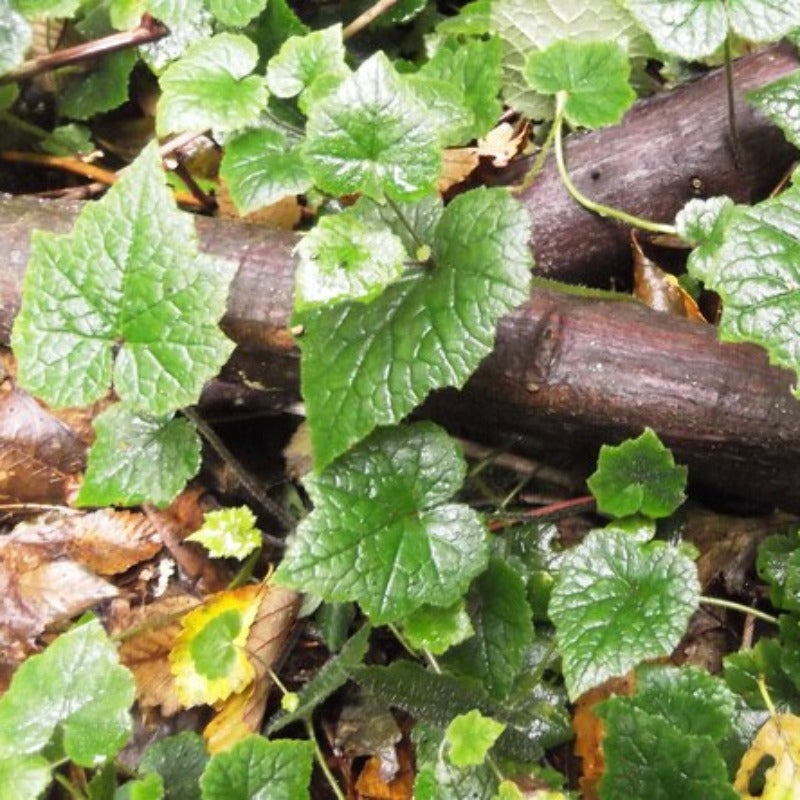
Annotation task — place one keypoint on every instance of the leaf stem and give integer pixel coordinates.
(538, 163)
(362, 20)
(733, 130)
(323, 764)
(242, 475)
(578, 196)
(246, 571)
(741, 608)
(405, 223)
(72, 789)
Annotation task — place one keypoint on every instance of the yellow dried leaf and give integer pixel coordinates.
(778, 740)
(209, 661)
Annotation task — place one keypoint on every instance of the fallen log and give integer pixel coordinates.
(567, 372)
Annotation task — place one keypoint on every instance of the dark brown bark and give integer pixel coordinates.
(568, 373)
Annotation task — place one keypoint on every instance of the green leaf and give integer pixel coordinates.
(764, 661)
(503, 630)
(189, 22)
(260, 168)
(8, 95)
(508, 790)
(470, 737)
(618, 602)
(236, 12)
(15, 36)
(137, 459)
(333, 674)
(103, 89)
(228, 533)
(780, 101)
(472, 19)
(304, 61)
(594, 76)
(438, 779)
(344, 257)
(432, 328)
(76, 686)
(373, 136)
(273, 27)
(47, 8)
(418, 223)
(438, 629)
(692, 29)
(150, 787)
(180, 761)
(68, 140)
(473, 68)
(448, 113)
(210, 86)
(255, 768)
(646, 756)
(690, 699)
(528, 25)
(778, 564)
(128, 278)
(23, 777)
(638, 476)
(756, 270)
(383, 532)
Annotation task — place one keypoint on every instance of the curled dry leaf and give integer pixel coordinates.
(50, 568)
(243, 713)
(285, 214)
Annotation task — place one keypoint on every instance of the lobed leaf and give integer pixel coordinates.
(75, 687)
(438, 629)
(259, 168)
(256, 768)
(137, 459)
(127, 279)
(179, 760)
(594, 76)
(372, 136)
(236, 12)
(210, 86)
(228, 533)
(780, 101)
(617, 602)
(382, 531)
(103, 89)
(470, 737)
(638, 476)
(366, 365)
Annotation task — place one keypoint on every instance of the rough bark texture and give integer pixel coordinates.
(567, 373)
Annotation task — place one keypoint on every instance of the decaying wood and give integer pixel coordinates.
(567, 373)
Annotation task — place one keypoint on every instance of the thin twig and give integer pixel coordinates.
(323, 764)
(242, 475)
(361, 21)
(149, 30)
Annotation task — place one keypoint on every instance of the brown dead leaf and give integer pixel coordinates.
(243, 713)
(658, 289)
(40, 457)
(372, 786)
(458, 164)
(589, 731)
(146, 653)
(503, 142)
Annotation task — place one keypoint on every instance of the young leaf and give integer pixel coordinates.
(438, 629)
(646, 756)
(780, 101)
(180, 761)
(528, 25)
(692, 29)
(366, 365)
(228, 533)
(501, 617)
(255, 768)
(345, 257)
(304, 61)
(210, 86)
(383, 532)
(128, 278)
(473, 67)
(209, 660)
(236, 13)
(76, 686)
(594, 76)
(259, 168)
(778, 564)
(618, 602)
(638, 476)
(15, 35)
(754, 266)
(470, 737)
(150, 787)
(137, 459)
(372, 136)
(103, 89)
(333, 674)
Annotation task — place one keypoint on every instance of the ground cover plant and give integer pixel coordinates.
(399, 613)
